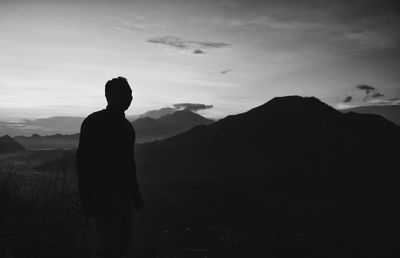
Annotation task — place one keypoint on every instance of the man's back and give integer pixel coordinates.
(105, 156)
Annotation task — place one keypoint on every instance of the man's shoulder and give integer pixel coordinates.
(94, 117)
(101, 114)
(129, 125)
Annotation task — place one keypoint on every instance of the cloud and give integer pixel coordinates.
(209, 44)
(184, 44)
(367, 88)
(198, 52)
(377, 95)
(373, 96)
(370, 92)
(170, 41)
(347, 99)
(119, 28)
(226, 71)
(135, 23)
(392, 101)
(192, 106)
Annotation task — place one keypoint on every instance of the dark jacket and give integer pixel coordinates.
(105, 156)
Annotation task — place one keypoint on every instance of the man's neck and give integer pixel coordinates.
(115, 111)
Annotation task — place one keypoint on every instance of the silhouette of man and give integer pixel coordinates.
(107, 170)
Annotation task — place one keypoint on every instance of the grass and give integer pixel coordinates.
(40, 213)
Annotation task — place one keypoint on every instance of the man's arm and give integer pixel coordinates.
(84, 158)
(137, 197)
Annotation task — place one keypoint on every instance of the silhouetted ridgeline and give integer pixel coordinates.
(294, 162)
(285, 133)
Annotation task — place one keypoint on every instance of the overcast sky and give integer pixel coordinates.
(56, 56)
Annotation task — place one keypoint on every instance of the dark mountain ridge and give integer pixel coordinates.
(284, 135)
(293, 162)
(288, 120)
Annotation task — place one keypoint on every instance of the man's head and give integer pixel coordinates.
(118, 93)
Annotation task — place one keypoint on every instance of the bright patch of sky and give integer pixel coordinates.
(57, 55)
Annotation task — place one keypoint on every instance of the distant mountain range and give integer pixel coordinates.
(42, 126)
(152, 125)
(150, 129)
(147, 129)
(63, 124)
(155, 114)
(71, 125)
(55, 141)
(390, 112)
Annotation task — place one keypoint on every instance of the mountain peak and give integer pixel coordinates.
(296, 101)
(295, 105)
(155, 114)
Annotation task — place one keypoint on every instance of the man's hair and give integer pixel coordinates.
(119, 82)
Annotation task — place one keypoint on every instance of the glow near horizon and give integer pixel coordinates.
(56, 56)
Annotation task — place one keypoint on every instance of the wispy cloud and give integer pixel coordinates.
(326, 28)
(347, 99)
(226, 71)
(370, 91)
(391, 101)
(377, 95)
(181, 43)
(135, 23)
(374, 97)
(192, 106)
(210, 44)
(170, 41)
(198, 52)
(123, 29)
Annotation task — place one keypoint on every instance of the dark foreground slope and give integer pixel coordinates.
(8, 145)
(325, 179)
